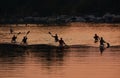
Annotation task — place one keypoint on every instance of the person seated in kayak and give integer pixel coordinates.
(14, 39)
(61, 42)
(96, 37)
(102, 41)
(56, 38)
(24, 40)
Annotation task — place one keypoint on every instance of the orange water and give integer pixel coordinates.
(69, 63)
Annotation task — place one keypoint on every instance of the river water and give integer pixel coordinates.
(76, 62)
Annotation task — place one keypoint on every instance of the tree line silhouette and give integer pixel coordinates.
(57, 7)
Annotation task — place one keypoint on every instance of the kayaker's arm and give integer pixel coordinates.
(51, 34)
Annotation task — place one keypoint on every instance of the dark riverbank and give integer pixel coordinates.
(61, 19)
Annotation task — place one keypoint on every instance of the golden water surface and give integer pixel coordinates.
(69, 63)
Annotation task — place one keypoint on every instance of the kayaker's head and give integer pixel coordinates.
(101, 38)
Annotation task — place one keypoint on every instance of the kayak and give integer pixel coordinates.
(19, 45)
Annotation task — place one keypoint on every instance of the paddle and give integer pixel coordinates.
(27, 33)
(18, 34)
(50, 34)
(108, 45)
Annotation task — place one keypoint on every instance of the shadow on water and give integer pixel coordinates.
(47, 56)
(115, 50)
(55, 57)
(50, 57)
(12, 51)
(11, 59)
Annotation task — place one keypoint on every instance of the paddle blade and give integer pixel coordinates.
(18, 33)
(49, 32)
(108, 45)
(28, 32)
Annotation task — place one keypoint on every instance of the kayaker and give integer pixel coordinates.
(102, 41)
(61, 42)
(24, 40)
(14, 39)
(96, 38)
(55, 37)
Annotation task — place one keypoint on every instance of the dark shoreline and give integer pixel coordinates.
(67, 24)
